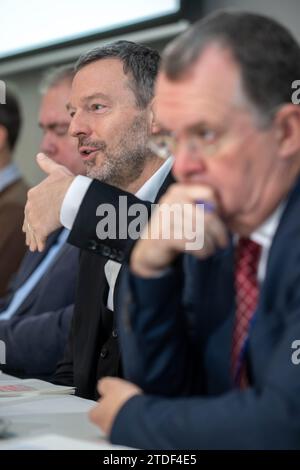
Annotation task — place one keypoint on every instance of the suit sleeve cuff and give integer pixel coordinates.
(120, 434)
(73, 199)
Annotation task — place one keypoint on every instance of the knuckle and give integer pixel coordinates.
(30, 193)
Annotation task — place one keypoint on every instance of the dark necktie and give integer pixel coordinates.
(247, 291)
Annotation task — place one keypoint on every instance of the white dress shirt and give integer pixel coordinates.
(264, 235)
(75, 195)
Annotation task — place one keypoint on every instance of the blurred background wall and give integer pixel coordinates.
(24, 76)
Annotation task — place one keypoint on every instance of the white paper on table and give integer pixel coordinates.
(43, 404)
(56, 442)
(31, 387)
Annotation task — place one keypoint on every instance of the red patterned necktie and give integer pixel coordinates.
(247, 290)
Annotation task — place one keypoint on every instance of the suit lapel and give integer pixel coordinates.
(167, 182)
(287, 233)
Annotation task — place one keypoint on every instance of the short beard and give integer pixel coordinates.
(124, 164)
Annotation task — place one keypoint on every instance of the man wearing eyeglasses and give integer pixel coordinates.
(208, 337)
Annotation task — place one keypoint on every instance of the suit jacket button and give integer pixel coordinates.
(114, 334)
(92, 245)
(120, 257)
(106, 251)
(103, 353)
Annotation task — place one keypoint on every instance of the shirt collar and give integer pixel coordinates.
(9, 175)
(149, 190)
(264, 234)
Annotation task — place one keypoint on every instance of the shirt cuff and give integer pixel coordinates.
(73, 199)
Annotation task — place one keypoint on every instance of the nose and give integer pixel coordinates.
(187, 165)
(79, 126)
(48, 144)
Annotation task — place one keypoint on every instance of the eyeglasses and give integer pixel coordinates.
(165, 144)
(202, 139)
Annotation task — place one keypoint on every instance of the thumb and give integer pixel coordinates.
(102, 386)
(106, 384)
(46, 164)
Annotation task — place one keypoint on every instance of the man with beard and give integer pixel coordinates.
(112, 118)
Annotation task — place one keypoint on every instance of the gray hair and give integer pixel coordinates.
(266, 52)
(139, 62)
(55, 76)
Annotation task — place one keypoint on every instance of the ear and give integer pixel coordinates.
(287, 122)
(3, 137)
(155, 128)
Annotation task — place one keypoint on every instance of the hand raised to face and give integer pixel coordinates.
(42, 210)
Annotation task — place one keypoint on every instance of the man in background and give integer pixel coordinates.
(13, 193)
(36, 314)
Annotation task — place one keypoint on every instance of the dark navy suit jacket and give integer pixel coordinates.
(176, 334)
(36, 335)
